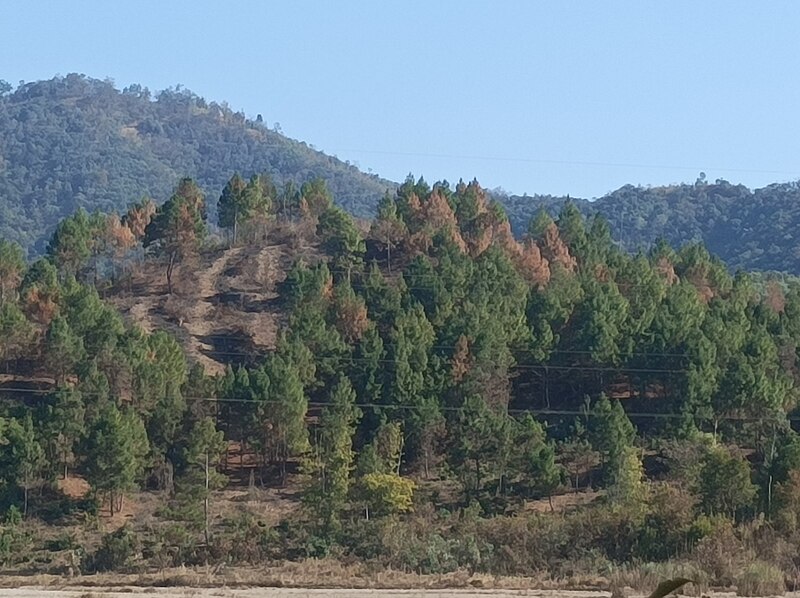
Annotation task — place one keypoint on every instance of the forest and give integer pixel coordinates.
(441, 397)
(75, 142)
(747, 229)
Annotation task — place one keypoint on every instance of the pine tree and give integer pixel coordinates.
(71, 243)
(479, 436)
(231, 209)
(116, 450)
(12, 265)
(533, 459)
(64, 348)
(342, 239)
(282, 416)
(64, 426)
(201, 455)
(178, 227)
(16, 332)
(23, 458)
(410, 381)
(539, 224)
(332, 462)
(388, 229)
(609, 429)
(626, 488)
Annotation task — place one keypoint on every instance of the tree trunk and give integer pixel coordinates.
(25, 498)
(205, 505)
(235, 225)
(170, 268)
(112, 502)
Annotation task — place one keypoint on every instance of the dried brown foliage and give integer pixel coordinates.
(41, 305)
(774, 298)
(535, 269)
(555, 251)
(698, 277)
(667, 271)
(351, 318)
(138, 217)
(462, 361)
(118, 237)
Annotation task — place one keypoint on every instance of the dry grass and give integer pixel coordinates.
(760, 579)
(223, 298)
(645, 577)
(312, 573)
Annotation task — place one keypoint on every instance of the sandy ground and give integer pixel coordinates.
(127, 592)
(283, 593)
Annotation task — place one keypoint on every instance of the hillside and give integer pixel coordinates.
(75, 142)
(748, 229)
(423, 393)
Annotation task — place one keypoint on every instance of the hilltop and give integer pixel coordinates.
(748, 229)
(74, 142)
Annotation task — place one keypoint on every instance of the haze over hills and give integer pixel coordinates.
(75, 142)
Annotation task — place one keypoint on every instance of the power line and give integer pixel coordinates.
(448, 408)
(512, 349)
(568, 162)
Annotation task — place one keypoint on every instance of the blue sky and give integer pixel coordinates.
(555, 97)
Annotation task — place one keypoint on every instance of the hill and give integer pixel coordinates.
(748, 229)
(74, 142)
(424, 394)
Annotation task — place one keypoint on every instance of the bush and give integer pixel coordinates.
(64, 541)
(117, 551)
(667, 524)
(385, 493)
(249, 540)
(721, 553)
(760, 579)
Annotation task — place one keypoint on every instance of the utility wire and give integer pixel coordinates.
(447, 408)
(513, 350)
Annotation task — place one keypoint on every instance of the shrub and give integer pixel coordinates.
(249, 540)
(15, 540)
(116, 552)
(721, 553)
(64, 541)
(760, 579)
(385, 493)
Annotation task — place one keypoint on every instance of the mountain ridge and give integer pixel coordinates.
(73, 141)
(748, 229)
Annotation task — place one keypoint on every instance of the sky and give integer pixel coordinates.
(577, 97)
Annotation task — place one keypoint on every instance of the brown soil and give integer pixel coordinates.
(74, 487)
(224, 308)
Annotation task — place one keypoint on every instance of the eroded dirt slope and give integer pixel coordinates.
(225, 306)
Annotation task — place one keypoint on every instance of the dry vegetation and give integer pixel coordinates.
(225, 305)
